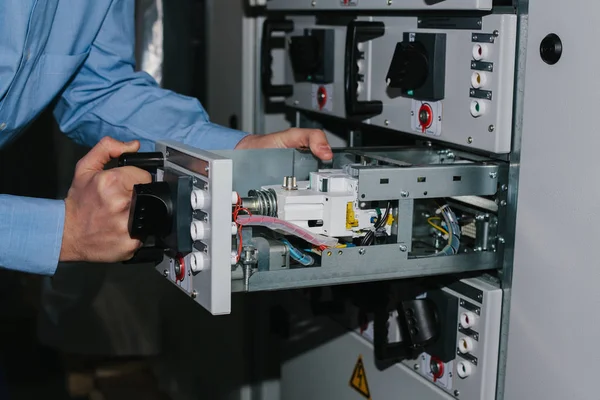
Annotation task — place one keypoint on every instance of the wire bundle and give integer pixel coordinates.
(368, 239)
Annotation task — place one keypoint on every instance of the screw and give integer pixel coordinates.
(296, 102)
(416, 367)
(469, 140)
(479, 22)
(489, 96)
(503, 203)
(456, 393)
(165, 273)
(389, 2)
(480, 296)
(194, 294)
(363, 205)
(473, 65)
(496, 33)
(206, 169)
(491, 128)
(404, 194)
(403, 248)
(340, 253)
(472, 92)
(489, 67)
(493, 175)
(167, 153)
(314, 3)
(501, 239)
(386, 122)
(329, 254)
(440, 118)
(412, 113)
(504, 187)
(362, 252)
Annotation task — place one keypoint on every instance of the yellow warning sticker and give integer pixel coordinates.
(358, 381)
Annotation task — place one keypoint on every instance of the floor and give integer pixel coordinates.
(31, 371)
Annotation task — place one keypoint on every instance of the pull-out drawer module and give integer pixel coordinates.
(273, 219)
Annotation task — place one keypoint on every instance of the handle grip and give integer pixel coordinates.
(267, 45)
(146, 161)
(359, 32)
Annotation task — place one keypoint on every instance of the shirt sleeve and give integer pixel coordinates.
(108, 98)
(31, 232)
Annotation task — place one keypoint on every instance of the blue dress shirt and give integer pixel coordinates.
(77, 56)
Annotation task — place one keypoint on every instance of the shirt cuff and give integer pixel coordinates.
(31, 232)
(216, 137)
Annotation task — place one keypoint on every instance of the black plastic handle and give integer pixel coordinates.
(359, 32)
(266, 61)
(146, 161)
(419, 328)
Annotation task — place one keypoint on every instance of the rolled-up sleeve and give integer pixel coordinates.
(31, 232)
(108, 98)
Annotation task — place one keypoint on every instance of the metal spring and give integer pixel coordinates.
(261, 202)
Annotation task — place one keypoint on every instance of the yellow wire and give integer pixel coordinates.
(437, 227)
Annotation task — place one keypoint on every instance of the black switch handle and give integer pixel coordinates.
(146, 161)
(359, 32)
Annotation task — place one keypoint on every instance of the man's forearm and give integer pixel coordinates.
(30, 234)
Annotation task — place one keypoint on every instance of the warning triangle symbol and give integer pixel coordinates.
(359, 380)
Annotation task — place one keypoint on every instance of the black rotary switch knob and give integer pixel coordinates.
(409, 68)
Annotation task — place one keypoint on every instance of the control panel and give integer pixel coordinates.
(388, 5)
(455, 85)
(448, 79)
(470, 373)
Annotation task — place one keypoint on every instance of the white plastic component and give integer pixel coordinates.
(467, 319)
(199, 230)
(234, 198)
(477, 108)
(200, 199)
(466, 344)
(481, 51)
(234, 229)
(324, 205)
(479, 80)
(234, 257)
(464, 369)
(199, 261)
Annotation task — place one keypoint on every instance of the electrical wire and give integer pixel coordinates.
(437, 227)
(368, 239)
(238, 208)
(298, 255)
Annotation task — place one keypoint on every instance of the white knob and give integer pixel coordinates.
(234, 198)
(464, 369)
(477, 108)
(234, 229)
(199, 230)
(466, 345)
(479, 80)
(198, 261)
(200, 199)
(467, 319)
(481, 52)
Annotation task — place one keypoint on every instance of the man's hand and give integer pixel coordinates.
(292, 138)
(97, 206)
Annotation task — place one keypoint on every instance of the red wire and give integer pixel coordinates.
(236, 211)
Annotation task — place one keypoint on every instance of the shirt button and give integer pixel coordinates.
(2, 126)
